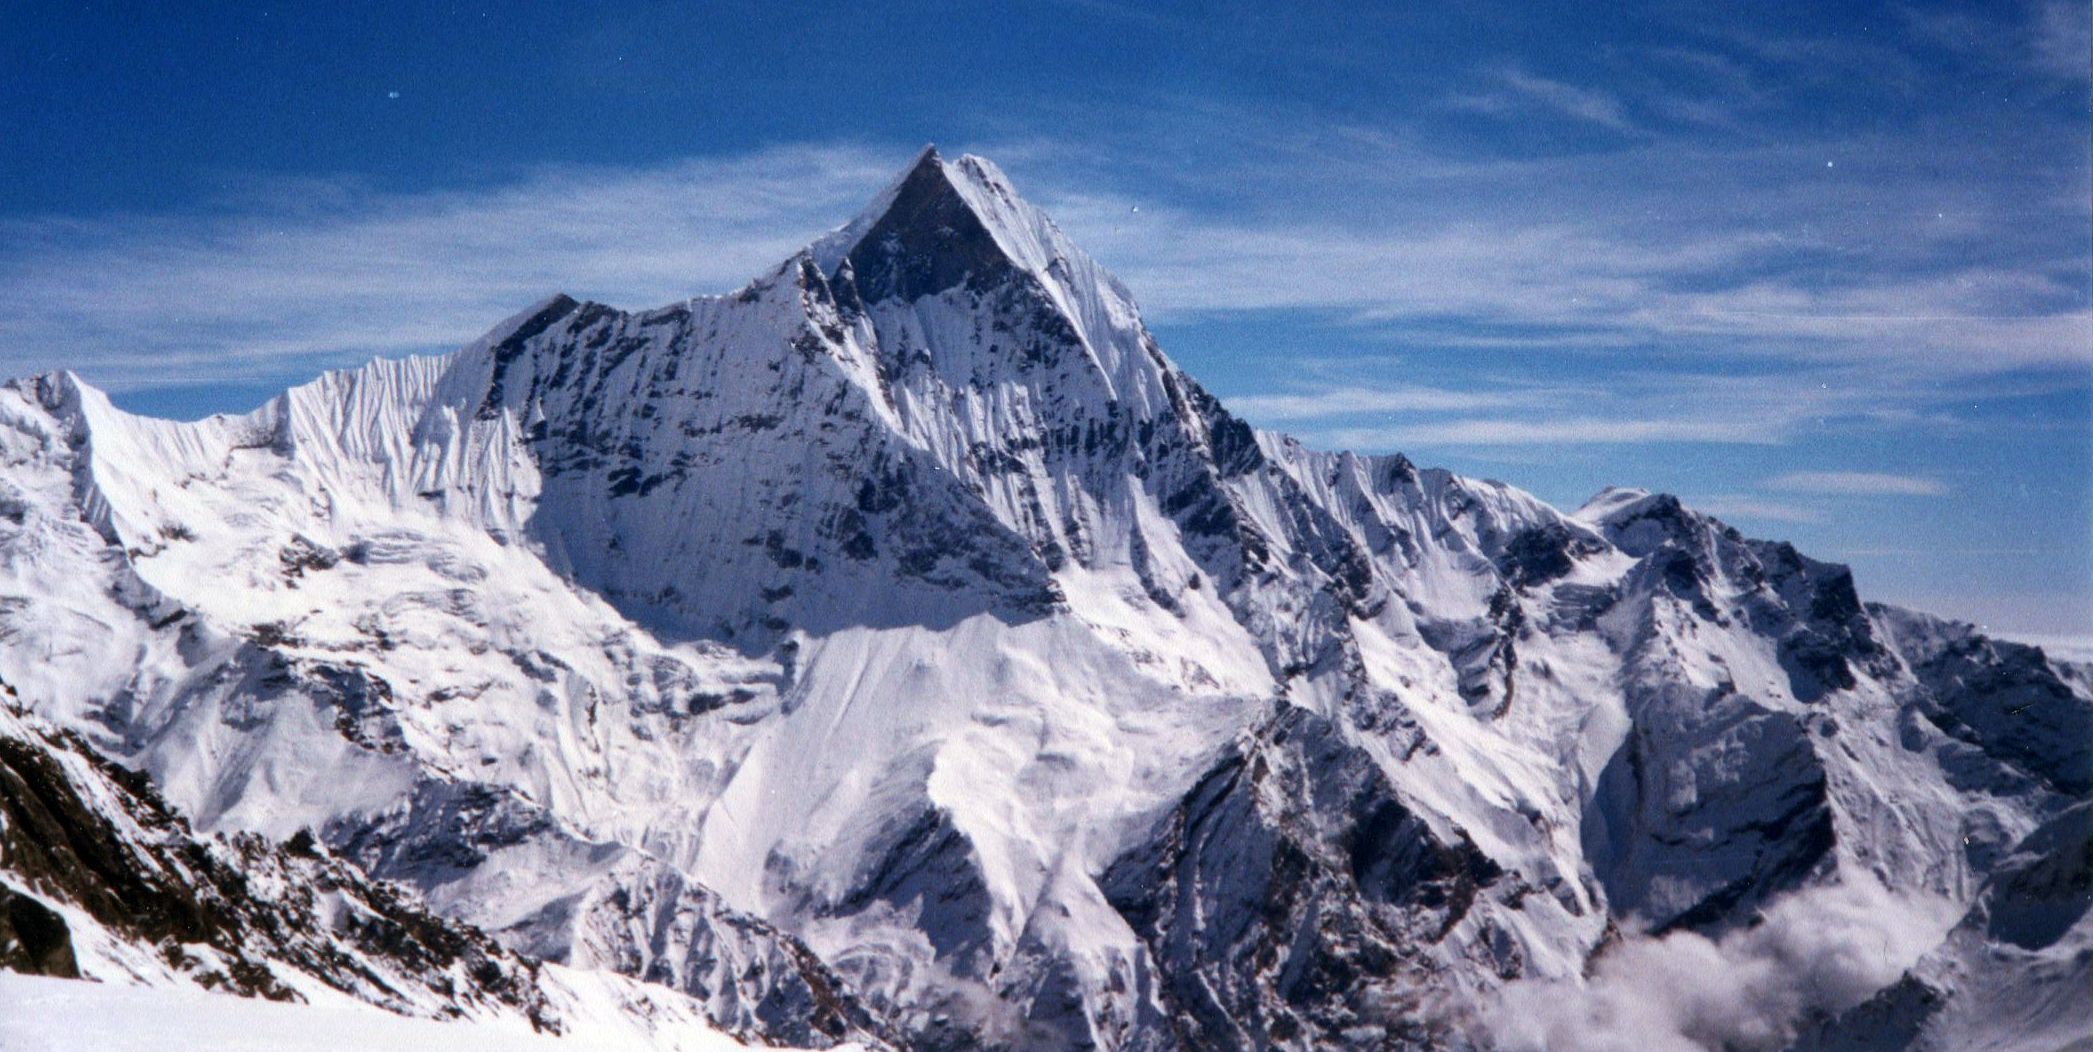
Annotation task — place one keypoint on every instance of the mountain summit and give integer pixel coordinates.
(902, 649)
(927, 234)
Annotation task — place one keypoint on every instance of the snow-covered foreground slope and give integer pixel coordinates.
(68, 1015)
(101, 884)
(902, 645)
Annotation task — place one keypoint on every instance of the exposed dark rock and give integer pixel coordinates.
(1541, 554)
(2003, 698)
(1289, 898)
(1772, 814)
(33, 938)
(140, 872)
(928, 240)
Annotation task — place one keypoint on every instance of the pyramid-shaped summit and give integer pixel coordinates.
(927, 239)
(946, 223)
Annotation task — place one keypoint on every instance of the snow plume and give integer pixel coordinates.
(1819, 950)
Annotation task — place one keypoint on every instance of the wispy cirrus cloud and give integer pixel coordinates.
(1646, 406)
(1869, 281)
(2048, 38)
(1515, 90)
(1707, 285)
(1749, 508)
(291, 276)
(1911, 249)
(2061, 40)
(1351, 399)
(1550, 430)
(1857, 484)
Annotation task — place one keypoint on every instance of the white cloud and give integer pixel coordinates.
(1342, 401)
(1585, 104)
(1519, 91)
(1857, 484)
(1579, 287)
(1624, 407)
(1818, 950)
(2076, 649)
(296, 276)
(1575, 430)
(1734, 506)
(1584, 255)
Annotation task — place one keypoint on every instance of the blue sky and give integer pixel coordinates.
(1822, 268)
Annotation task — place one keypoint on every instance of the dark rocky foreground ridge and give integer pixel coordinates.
(903, 647)
(82, 836)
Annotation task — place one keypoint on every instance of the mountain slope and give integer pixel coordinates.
(89, 840)
(2012, 975)
(902, 643)
(100, 880)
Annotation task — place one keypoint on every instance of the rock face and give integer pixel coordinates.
(1291, 896)
(903, 645)
(94, 865)
(100, 879)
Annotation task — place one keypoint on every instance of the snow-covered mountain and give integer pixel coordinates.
(100, 880)
(902, 647)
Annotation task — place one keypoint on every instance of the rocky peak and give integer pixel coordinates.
(945, 224)
(926, 239)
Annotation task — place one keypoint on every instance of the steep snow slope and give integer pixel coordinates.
(101, 882)
(283, 712)
(903, 642)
